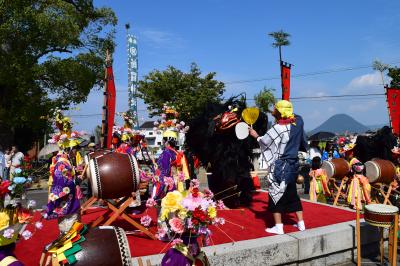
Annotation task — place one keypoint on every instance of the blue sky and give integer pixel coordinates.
(230, 37)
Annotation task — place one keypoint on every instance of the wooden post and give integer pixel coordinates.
(358, 236)
(395, 233)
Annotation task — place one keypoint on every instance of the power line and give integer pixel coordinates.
(314, 73)
(332, 96)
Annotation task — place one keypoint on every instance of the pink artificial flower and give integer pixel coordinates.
(169, 181)
(163, 116)
(52, 141)
(208, 193)
(26, 234)
(177, 225)
(220, 205)
(73, 134)
(194, 183)
(219, 220)
(176, 241)
(161, 232)
(181, 176)
(150, 203)
(145, 220)
(39, 225)
(63, 136)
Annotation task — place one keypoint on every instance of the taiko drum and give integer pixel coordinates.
(106, 245)
(114, 175)
(336, 168)
(380, 171)
(380, 215)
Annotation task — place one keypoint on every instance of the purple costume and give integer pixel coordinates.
(7, 251)
(164, 166)
(62, 198)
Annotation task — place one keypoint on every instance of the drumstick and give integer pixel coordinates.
(229, 188)
(84, 172)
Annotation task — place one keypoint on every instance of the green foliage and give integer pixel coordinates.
(379, 66)
(188, 92)
(53, 54)
(265, 99)
(394, 73)
(281, 38)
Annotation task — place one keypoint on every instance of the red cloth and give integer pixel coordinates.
(256, 182)
(253, 220)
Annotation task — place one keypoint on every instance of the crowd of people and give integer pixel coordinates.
(10, 159)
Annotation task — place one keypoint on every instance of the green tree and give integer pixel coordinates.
(52, 55)
(281, 38)
(381, 67)
(394, 74)
(265, 99)
(188, 92)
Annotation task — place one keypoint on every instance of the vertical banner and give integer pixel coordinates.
(133, 77)
(393, 101)
(110, 105)
(285, 77)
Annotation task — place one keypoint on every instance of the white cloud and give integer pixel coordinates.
(363, 107)
(161, 39)
(367, 80)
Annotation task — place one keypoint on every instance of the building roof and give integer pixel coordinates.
(147, 125)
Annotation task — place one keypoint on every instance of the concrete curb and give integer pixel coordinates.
(328, 245)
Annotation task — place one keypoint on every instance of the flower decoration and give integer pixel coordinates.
(145, 220)
(26, 234)
(190, 212)
(8, 233)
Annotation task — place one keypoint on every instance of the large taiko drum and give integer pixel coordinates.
(114, 175)
(336, 168)
(380, 215)
(105, 245)
(380, 171)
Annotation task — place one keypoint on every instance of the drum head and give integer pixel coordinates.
(242, 130)
(381, 208)
(329, 168)
(372, 171)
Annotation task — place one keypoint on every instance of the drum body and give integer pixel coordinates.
(92, 155)
(105, 245)
(336, 168)
(114, 175)
(380, 215)
(380, 171)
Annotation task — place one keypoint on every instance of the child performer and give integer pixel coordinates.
(360, 188)
(318, 184)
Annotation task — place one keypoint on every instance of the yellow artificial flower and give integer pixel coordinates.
(182, 214)
(164, 215)
(4, 220)
(172, 201)
(212, 212)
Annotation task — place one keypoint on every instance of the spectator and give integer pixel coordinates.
(7, 159)
(16, 160)
(2, 163)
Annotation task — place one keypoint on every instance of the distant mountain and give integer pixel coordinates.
(339, 124)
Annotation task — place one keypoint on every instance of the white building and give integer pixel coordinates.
(154, 137)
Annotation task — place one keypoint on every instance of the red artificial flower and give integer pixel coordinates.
(4, 187)
(195, 192)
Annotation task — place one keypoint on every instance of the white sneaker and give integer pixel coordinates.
(277, 229)
(300, 225)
